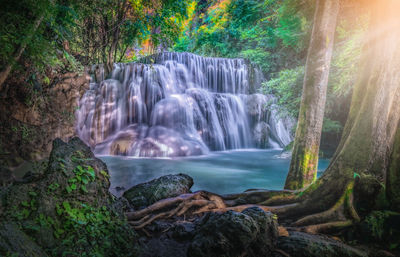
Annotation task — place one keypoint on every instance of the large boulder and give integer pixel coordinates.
(252, 232)
(145, 194)
(68, 210)
(299, 244)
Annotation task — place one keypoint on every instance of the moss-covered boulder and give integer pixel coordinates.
(67, 211)
(163, 187)
(252, 232)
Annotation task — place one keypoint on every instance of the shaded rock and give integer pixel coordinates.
(252, 232)
(299, 244)
(13, 240)
(150, 192)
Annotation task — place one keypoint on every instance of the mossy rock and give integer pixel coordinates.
(145, 194)
(68, 211)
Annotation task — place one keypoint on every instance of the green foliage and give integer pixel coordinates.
(347, 56)
(266, 32)
(76, 33)
(82, 177)
(332, 126)
(88, 230)
(286, 86)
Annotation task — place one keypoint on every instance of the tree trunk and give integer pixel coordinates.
(369, 146)
(6, 71)
(303, 166)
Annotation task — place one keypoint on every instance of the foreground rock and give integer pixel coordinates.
(299, 244)
(252, 232)
(67, 211)
(145, 194)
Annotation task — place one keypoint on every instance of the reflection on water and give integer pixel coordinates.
(219, 172)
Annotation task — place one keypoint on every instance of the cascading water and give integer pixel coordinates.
(179, 104)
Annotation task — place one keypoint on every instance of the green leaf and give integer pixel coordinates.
(69, 190)
(67, 206)
(25, 213)
(73, 187)
(85, 180)
(25, 203)
(33, 194)
(84, 189)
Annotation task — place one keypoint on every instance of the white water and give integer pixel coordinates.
(181, 105)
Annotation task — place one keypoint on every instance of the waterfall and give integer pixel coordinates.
(178, 104)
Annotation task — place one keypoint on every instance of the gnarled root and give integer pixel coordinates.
(260, 197)
(341, 214)
(186, 204)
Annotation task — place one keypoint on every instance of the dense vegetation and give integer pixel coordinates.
(66, 35)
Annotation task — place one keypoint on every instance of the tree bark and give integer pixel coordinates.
(6, 71)
(303, 166)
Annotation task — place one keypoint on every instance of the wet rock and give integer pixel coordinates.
(150, 192)
(299, 244)
(13, 240)
(252, 232)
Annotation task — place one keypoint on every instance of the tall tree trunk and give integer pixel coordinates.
(303, 166)
(370, 144)
(6, 71)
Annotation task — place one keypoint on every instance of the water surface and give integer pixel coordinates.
(219, 172)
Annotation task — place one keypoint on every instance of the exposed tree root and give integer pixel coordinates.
(326, 227)
(258, 197)
(340, 215)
